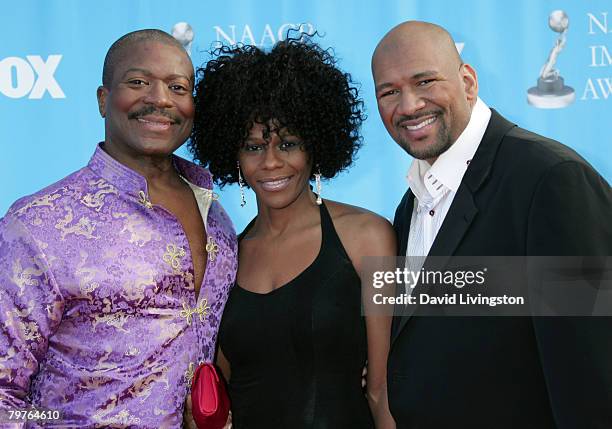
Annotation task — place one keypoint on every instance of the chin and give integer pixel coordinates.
(426, 150)
(279, 201)
(276, 203)
(157, 148)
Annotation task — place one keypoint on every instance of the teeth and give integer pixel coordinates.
(420, 125)
(276, 182)
(152, 122)
(275, 185)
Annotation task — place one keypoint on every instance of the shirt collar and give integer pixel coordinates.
(429, 183)
(131, 182)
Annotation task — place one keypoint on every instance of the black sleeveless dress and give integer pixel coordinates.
(297, 352)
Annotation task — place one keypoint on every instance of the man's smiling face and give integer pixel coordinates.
(148, 106)
(424, 93)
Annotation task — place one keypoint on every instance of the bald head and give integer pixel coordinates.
(122, 46)
(436, 39)
(425, 93)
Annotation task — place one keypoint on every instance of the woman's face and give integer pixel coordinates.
(275, 165)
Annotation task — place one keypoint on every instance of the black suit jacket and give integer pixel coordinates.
(522, 194)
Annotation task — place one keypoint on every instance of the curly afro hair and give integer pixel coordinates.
(296, 84)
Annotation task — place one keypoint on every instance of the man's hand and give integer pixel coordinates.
(189, 422)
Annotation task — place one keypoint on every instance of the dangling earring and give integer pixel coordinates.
(241, 184)
(318, 186)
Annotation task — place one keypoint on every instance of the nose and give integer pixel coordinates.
(410, 103)
(272, 158)
(158, 95)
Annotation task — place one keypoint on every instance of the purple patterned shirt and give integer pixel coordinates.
(98, 313)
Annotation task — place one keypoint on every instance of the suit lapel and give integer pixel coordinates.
(457, 221)
(462, 211)
(401, 224)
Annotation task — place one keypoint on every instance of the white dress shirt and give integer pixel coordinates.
(434, 186)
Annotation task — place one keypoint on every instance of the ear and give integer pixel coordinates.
(102, 93)
(470, 82)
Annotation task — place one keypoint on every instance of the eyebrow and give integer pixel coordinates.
(149, 73)
(417, 76)
(426, 73)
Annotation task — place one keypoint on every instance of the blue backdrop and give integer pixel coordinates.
(52, 53)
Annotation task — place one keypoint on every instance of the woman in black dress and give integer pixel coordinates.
(293, 342)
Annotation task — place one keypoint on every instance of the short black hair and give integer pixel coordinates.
(114, 52)
(297, 84)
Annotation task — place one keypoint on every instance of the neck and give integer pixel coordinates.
(158, 171)
(275, 222)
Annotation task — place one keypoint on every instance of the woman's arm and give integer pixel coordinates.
(370, 235)
(378, 330)
(377, 239)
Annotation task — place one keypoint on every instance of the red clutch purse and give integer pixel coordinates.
(209, 399)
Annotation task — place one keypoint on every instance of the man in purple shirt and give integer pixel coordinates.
(113, 280)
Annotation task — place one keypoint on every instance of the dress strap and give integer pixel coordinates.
(329, 236)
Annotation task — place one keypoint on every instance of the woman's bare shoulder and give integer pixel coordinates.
(362, 231)
(350, 217)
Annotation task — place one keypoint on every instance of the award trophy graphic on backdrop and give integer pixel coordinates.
(183, 32)
(551, 91)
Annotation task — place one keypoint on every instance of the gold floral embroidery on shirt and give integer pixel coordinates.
(105, 363)
(132, 351)
(187, 313)
(173, 255)
(82, 227)
(6, 369)
(143, 387)
(202, 311)
(212, 248)
(93, 383)
(29, 330)
(46, 200)
(116, 320)
(190, 372)
(89, 288)
(123, 418)
(134, 289)
(55, 310)
(107, 408)
(96, 201)
(138, 227)
(86, 276)
(23, 277)
(26, 312)
(144, 201)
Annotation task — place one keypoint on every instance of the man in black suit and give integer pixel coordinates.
(481, 186)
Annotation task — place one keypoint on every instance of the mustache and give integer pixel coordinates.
(403, 118)
(149, 110)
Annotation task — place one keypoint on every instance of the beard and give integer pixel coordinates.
(442, 141)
